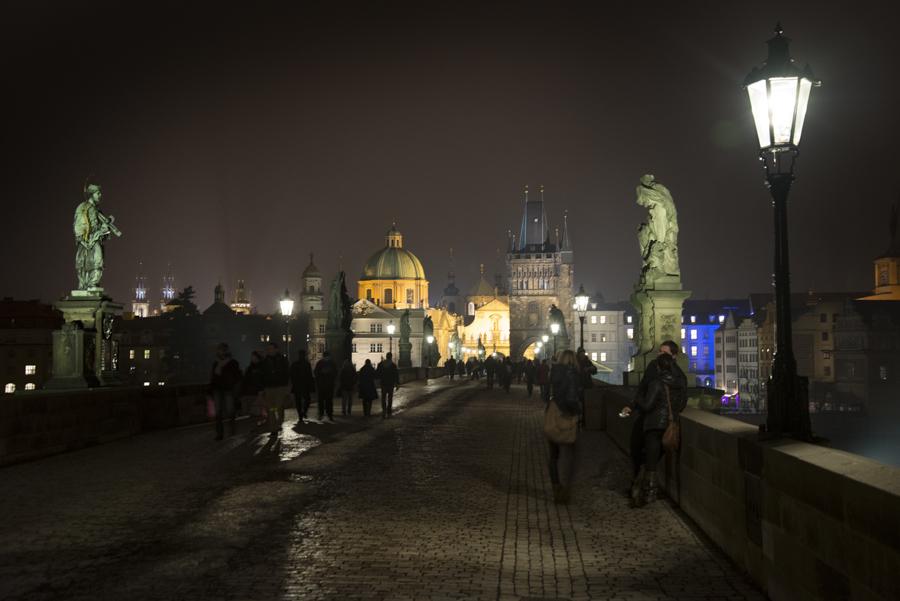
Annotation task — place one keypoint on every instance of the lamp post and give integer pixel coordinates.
(430, 340)
(554, 328)
(287, 309)
(779, 94)
(391, 328)
(581, 304)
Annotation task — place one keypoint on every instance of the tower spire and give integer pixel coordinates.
(566, 244)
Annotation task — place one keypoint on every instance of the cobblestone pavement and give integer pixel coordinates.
(449, 499)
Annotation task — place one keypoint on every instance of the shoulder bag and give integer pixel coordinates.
(560, 428)
(672, 436)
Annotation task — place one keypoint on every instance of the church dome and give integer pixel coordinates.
(483, 287)
(393, 262)
(311, 270)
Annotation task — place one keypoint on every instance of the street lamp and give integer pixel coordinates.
(581, 305)
(287, 309)
(430, 340)
(554, 328)
(779, 95)
(391, 328)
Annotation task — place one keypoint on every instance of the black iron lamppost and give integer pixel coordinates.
(779, 95)
(581, 305)
(391, 328)
(287, 310)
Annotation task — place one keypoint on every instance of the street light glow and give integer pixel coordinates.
(581, 300)
(430, 339)
(287, 305)
(554, 327)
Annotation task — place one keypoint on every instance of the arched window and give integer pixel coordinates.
(471, 309)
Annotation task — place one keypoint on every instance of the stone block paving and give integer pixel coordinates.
(447, 500)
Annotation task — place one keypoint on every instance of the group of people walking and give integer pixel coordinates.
(270, 383)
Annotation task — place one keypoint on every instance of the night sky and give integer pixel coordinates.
(231, 142)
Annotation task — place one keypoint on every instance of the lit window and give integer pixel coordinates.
(628, 319)
(30, 386)
(30, 370)
(160, 383)
(603, 319)
(602, 337)
(146, 353)
(882, 372)
(721, 318)
(693, 334)
(146, 383)
(593, 319)
(131, 353)
(9, 388)
(593, 356)
(693, 319)
(262, 338)
(602, 356)
(630, 333)
(693, 351)
(683, 333)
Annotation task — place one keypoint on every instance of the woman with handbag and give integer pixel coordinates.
(659, 408)
(561, 424)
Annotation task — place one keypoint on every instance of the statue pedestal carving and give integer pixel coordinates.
(659, 319)
(85, 351)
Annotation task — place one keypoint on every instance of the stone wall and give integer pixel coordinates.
(805, 521)
(42, 423)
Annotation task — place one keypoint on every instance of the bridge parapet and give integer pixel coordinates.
(805, 521)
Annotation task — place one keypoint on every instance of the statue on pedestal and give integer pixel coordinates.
(91, 228)
(338, 334)
(658, 296)
(405, 346)
(658, 236)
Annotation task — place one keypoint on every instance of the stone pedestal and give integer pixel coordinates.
(659, 319)
(85, 351)
(405, 352)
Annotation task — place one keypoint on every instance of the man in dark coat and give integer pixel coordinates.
(326, 377)
(276, 379)
(530, 374)
(367, 391)
(224, 383)
(450, 366)
(389, 376)
(302, 385)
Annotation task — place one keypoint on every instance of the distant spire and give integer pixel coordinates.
(566, 244)
(526, 192)
(451, 275)
(542, 192)
(557, 237)
(482, 269)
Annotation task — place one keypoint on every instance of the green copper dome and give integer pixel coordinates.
(393, 262)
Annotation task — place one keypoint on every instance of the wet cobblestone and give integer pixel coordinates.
(449, 499)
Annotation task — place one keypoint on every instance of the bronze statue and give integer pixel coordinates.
(91, 228)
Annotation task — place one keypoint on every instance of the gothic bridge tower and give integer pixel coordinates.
(540, 272)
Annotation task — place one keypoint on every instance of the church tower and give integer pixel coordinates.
(167, 294)
(540, 270)
(140, 306)
(241, 304)
(450, 299)
(311, 298)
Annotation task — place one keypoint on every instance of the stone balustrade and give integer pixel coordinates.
(805, 521)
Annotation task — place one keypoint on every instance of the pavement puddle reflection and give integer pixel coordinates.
(289, 445)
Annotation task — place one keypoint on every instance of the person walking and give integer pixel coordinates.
(389, 376)
(543, 380)
(326, 378)
(565, 397)
(348, 386)
(450, 367)
(367, 391)
(276, 377)
(529, 372)
(506, 373)
(490, 370)
(253, 387)
(224, 383)
(664, 397)
(302, 385)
